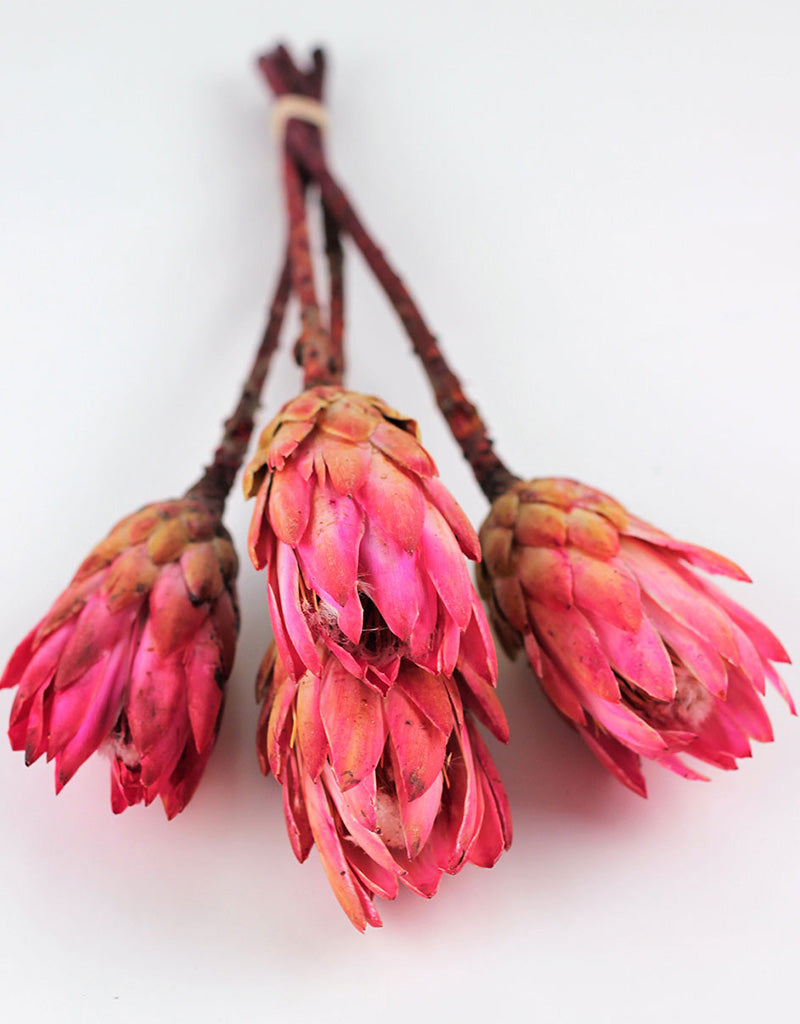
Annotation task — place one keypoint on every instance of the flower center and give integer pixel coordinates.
(688, 709)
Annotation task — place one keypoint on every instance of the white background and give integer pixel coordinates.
(597, 206)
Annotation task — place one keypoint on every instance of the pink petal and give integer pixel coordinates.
(622, 762)
(422, 874)
(297, 629)
(328, 551)
(424, 641)
(183, 782)
(418, 746)
(681, 599)
(765, 642)
(560, 692)
(675, 764)
(394, 501)
(483, 701)
(340, 877)
(607, 589)
(456, 828)
(311, 736)
(281, 720)
(546, 575)
(101, 709)
(701, 557)
(41, 668)
(455, 517)
(360, 802)
(157, 692)
(428, 694)
(287, 437)
(95, 633)
(721, 733)
(353, 719)
(640, 656)
(592, 533)
(780, 686)
(204, 681)
(441, 558)
(699, 657)
(419, 815)
(376, 878)
(708, 752)
(347, 464)
(534, 652)
(477, 648)
(573, 646)
(745, 706)
(259, 534)
(625, 725)
(38, 726)
(496, 831)
(289, 504)
(294, 811)
(292, 661)
(389, 577)
(174, 620)
(160, 761)
(403, 448)
(363, 836)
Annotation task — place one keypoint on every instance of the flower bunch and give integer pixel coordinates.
(382, 670)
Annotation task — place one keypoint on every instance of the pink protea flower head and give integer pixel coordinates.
(364, 546)
(641, 654)
(393, 787)
(133, 657)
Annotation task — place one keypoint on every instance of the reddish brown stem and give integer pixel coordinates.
(319, 354)
(335, 257)
(314, 350)
(216, 482)
(467, 426)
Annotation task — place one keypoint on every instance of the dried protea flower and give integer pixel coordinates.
(133, 657)
(394, 787)
(640, 653)
(364, 546)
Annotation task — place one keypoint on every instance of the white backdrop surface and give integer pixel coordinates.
(597, 205)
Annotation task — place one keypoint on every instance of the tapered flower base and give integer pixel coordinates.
(639, 652)
(393, 788)
(133, 657)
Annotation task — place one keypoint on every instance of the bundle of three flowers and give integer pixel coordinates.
(382, 657)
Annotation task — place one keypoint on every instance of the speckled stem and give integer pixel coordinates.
(467, 426)
(215, 483)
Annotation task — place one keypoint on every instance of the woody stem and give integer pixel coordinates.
(314, 350)
(335, 257)
(217, 480)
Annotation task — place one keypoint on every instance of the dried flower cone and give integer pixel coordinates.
(133, 657)
(364, 546)
(641, 654)
(394, 787)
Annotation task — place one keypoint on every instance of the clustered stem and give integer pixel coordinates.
(216, 482)
(303, 145)
(319, 349)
